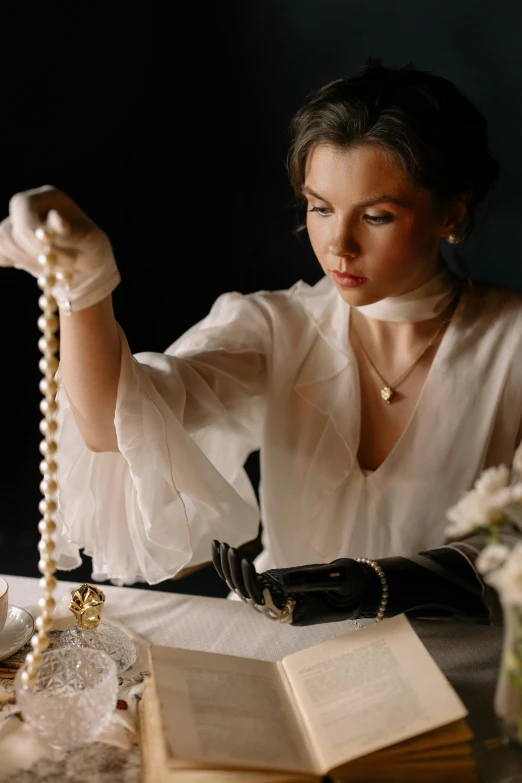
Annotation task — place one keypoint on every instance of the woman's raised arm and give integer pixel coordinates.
(90, 349)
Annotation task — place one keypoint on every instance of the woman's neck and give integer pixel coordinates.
(423, 303)
(393, 343)
(396, 328)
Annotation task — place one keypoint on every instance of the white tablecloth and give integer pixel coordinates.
(192, 622)
(468, 654)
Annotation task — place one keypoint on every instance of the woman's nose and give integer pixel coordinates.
(343, 242)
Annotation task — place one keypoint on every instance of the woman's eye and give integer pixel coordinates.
(322, 211)
(377, 220)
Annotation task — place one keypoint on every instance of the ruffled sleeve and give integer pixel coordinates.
(186, 420)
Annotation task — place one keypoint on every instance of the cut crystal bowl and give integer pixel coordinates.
(106, 637)
(72, 698)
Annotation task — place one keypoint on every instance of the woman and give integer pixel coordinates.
(376, 397)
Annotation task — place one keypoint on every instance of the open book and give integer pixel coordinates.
(368, 706)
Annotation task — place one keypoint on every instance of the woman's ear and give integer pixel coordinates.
(455, 215)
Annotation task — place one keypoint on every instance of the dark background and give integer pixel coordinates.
(170, 131)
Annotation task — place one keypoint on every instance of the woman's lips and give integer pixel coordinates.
(346, 280)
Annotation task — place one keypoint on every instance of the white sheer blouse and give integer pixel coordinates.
(275, 371)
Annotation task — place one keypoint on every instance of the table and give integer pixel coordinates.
(467, 654)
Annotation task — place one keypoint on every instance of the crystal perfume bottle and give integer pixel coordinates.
(87, 602)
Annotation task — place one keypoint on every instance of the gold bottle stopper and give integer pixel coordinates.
(87, 605)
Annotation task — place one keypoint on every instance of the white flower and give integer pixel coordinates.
(517, 461)
(492, 557)
(482, 505)
(501, 498)
(508, 578)
(510, 500)
(474, 510)
(492, 480)
(516, 492)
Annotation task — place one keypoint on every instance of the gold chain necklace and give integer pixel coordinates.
(389, 390)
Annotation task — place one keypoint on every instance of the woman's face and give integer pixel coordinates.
(374, 233)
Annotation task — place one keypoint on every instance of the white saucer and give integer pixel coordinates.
(17, 631)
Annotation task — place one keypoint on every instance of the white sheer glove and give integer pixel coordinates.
(83, 250)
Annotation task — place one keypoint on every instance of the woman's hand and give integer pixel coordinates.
(88, 271)
(305, 595)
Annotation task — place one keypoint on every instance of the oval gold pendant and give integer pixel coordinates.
(387, 394)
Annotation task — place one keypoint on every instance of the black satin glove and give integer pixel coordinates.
(436, 584)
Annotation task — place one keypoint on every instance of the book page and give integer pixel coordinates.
(228, 711)
(159, 767)
(369, 690)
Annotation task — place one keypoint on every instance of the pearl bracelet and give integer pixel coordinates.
(384, 585)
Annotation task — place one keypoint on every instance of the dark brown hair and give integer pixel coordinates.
(431, 128)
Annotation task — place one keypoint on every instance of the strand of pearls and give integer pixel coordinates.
(384, 586)
(48, 344)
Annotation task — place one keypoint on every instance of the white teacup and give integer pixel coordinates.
(4, 598)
